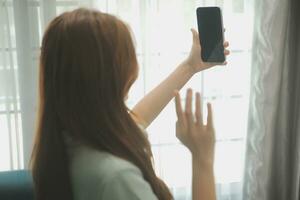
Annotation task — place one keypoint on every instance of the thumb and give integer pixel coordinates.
(195, 36)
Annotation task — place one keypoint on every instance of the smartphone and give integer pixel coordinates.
(211, 34)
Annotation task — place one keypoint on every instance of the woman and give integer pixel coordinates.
(88, 144)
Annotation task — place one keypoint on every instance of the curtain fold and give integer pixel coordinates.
(272, 157)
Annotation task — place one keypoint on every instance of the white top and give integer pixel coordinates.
(99, 175)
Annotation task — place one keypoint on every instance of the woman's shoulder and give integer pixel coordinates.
(96, 174)
(100, 164)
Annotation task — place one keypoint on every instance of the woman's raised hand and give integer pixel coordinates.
(194, 60)
(190, 130)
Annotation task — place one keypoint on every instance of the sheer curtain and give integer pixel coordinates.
(162, 33)
(272, 170)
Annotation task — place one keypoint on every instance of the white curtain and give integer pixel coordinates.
(272, 170)
(162, 34)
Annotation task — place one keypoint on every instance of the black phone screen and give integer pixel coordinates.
(210, 28)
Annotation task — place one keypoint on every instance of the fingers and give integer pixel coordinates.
(198, 113)
(188, 108)
(226, 44)
(224, 63)
(226, 52)
(179, 112)
(187, 116)
(209, 116)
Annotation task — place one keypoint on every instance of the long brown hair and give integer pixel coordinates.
(87, 66)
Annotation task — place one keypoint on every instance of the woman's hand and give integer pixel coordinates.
(190, 130)
(194, 60)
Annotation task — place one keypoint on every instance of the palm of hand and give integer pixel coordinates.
(190, 130)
